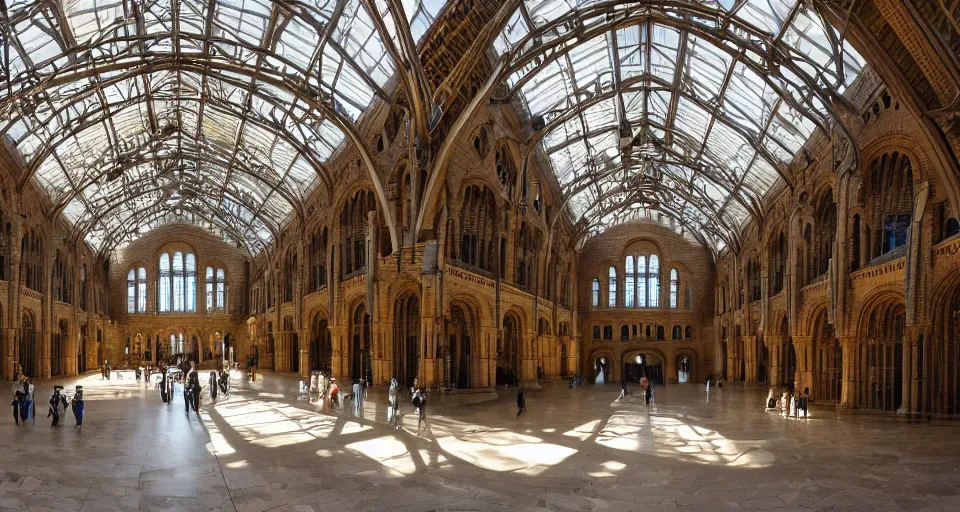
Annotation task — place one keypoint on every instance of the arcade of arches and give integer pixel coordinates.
(568, 191)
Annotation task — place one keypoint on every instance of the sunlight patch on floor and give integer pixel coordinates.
(583, 432)
(675, 438)
(622, 431)
(389, 452)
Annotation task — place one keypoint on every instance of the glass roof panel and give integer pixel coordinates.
(121, 142)
(694, 104)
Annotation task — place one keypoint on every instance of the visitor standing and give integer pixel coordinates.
(192, 389)
(392, 398)
(28, 410)
(357, 397)
(213, 386)
(77, 405)
(19, 395)
(334, 395)
(521, 401)
(164, 390)
(58, 406)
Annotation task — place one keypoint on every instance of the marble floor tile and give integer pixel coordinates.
(574, 450)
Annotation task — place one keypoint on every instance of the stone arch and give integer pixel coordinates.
(321, 342)
(405, 352)
(940, 355)
(461, 348)
(689, 370)
(826, 366)
(905, 145)
(510, 347)
(28, 344)
(808, 314)
(878, 372)
(359, 341)
(602, 359)
(653, 367)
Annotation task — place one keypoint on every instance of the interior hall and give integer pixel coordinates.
(713, 245)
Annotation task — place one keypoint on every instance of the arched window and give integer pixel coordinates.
(318, 260)
(164, 300)
(142, 290)
(131, 291)
(612, 289)
(178, 283)
(653, 281)
(674, 285)
(596, 293)
(629, 293)
(216, 291)
(83, 287)
(891, 190)
(642, 282)
(137, 290)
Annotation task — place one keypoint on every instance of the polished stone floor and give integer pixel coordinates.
(263, 449)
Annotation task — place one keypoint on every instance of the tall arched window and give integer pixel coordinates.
(131, 291)
(163, 302)
(629, 293)
(596, 293)
(216, 290)
(612, 289)
(674, 285)
(642, 282)
(142, 290)
(137, 290)
(653, 281)
(178, 283)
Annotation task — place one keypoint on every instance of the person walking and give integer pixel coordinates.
(420, 403)
(521, 401)
(392, 398)
(19, 395)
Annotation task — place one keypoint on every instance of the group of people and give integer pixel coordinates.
(325, 389)
(786, 403)
(185, 374)
(24, 407)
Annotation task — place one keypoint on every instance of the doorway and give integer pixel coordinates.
(406, 340)
(360, 344)
(459, 348)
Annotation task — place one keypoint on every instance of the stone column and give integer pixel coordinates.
(304, 352)
(750, 353)
(528, 362)
(848, 346)
(910, 403)
(804, 377)
(340, 367)
(488, 355)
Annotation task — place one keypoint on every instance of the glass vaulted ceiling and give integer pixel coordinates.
(131, 114)
(685, 112)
